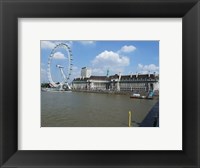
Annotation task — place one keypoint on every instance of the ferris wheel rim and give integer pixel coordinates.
(69, 54)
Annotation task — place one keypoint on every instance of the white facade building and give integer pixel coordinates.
(85, 72)
(125, 83)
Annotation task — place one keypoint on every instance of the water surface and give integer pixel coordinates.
(78, 109)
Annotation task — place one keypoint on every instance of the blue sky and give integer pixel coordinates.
(125, 57)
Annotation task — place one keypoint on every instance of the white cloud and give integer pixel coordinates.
(52, 44)
(43, 75)
(148, 68)
(76, 72)
(87, 42)
(127, 49)
(47, 44)
(109, 60)
(99, 71)
(43, 71)
(59, 55)
(103, 71)
(69, 43)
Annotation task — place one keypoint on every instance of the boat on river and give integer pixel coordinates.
(138, 96)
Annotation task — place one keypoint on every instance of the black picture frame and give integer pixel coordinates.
(11, 10)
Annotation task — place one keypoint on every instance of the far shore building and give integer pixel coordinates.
(85, 72)
(123, 83)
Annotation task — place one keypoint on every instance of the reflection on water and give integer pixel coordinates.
(76, 109)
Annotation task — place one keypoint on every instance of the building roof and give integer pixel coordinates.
(116, 76)
(98, 78)
(81, 79)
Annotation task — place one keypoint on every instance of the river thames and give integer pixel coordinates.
(78, 109)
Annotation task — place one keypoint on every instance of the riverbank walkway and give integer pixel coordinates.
(152, 118)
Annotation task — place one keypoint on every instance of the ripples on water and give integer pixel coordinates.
(76, 109)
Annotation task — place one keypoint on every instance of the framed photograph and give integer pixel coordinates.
(106, 86)
(92, 76)
(86, 87)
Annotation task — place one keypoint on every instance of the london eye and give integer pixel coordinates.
(63, 65)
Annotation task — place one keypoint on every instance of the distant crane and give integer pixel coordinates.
(107, 74)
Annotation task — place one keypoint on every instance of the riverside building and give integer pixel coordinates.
(85, 72)
(124, 83)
